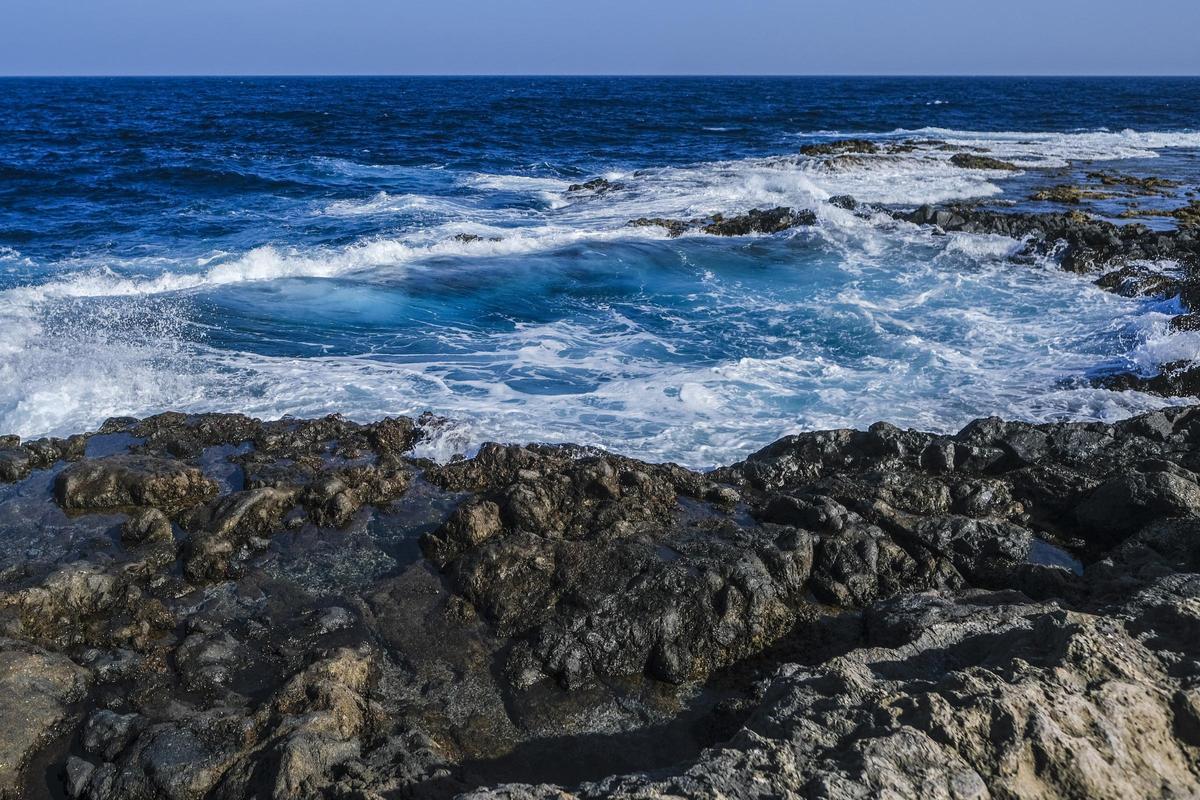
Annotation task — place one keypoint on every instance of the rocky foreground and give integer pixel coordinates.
(217, 607)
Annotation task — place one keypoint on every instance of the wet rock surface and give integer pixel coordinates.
(773, 220)
(304, 608)
(974, 161)
(840, 147)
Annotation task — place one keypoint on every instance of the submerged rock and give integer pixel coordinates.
(1135, 185)
(1188, 215)
(973, 161)
(595, 186)
(840, 147)
(774, 220)
(755, 221)
(1068, 194)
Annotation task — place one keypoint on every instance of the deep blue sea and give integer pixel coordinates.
(293, 246)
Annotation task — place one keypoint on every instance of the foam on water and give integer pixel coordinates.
(1043, 149)
(959, 333)
(698, 349)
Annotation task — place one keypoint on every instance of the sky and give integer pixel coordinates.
(801, 37)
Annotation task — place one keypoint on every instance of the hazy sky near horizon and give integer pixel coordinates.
(209, 37)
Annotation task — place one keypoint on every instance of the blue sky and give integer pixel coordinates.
(129, 37)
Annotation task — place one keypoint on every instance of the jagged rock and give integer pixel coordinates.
(1068, 194)
(37, 692)
(1013, 609)
(595, 186)
(18, 460)
(1186, 322)
(1136, 185)
(1188, 215)
(840, 147)
(15, 464)
(972, 161)
(468, 238)
(147, 525)
(122, 481)
(755, 221)
(470, 526)
(674, 227)
(1175, 379)
(107, 733)
(219, 531)
(773, 220)
(1119, 507)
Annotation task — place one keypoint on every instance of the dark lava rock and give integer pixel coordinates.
(39, 691)
(1010, 610)
(1186, 322)
(674, 227)
(755, 221)
(1151, 185)
(18, 460)
(1079, 242)
(774, 220)
(126, 481)
(1069, 195)
(15, 464)
(1188, 215)
(596, 186)
(840, 147)
(972, 161)
(468, 238)
(1175, 379)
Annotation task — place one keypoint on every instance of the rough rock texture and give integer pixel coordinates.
(840, 147)
(127, 481)
(972, 161)
(304, 609)
(596, 186)
(773, 220)
(213, 606)
(38, 690)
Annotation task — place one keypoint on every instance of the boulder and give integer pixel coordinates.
(126, 481)
(38, 690)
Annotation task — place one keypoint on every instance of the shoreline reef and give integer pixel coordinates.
(211, 606)
(214, 606)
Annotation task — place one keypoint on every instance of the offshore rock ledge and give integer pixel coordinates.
(213, 606)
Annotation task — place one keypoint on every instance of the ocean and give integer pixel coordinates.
(382, 246)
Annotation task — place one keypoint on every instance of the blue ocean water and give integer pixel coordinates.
(295, 246)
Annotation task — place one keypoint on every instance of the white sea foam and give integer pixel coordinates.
(272, 263)
(384, 203)
(1004, 360)
(1047, 149)
(957, 331)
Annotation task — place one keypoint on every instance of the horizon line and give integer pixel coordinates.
(31, 76)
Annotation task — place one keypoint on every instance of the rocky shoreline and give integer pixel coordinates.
(1126, 259)
(213, 606)
(217, 607)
